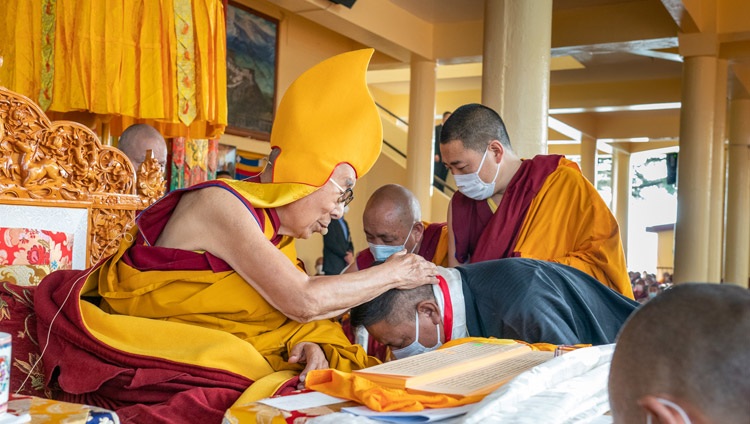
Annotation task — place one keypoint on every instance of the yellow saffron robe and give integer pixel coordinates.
(549, 212)
(232, 327)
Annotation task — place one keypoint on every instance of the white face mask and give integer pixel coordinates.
(672, 405)
(472, 186)
(415, 348)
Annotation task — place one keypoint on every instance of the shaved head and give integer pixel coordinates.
(396, 204)
(392, 215)
(690, 345)
(139, 138)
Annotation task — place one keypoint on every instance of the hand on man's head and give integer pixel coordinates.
(412, 269)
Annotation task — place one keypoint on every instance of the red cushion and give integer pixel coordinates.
(18, 319)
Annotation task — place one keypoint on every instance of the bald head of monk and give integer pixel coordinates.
(392, 217)
(137, 139)
(683, 357)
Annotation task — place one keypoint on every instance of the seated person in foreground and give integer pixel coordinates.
(392, 221)
(683, 358)
(203, 299)
(513, 298)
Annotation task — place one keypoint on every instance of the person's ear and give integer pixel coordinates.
(418, 231)
(430, 309)
(660, 413)
(496, 150)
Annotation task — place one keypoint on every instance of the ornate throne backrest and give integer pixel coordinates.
(62, 190)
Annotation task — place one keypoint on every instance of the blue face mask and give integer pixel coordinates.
(416, 348)
(381, 252)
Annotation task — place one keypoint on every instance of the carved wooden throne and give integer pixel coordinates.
(53, 174)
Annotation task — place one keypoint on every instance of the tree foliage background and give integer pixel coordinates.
(652, 173)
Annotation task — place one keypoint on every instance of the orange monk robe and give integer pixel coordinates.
(561, 218)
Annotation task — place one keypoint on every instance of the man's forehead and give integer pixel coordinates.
(382, 219)
(376, 225)
(345, 173)
(389, 333)
(380, 231)
(458, 148)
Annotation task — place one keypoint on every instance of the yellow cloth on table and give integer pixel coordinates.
(379, 398)
(376, 397)
(553, 229)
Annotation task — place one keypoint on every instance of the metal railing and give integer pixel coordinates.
(447, 188)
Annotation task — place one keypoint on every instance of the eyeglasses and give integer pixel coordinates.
(346, 195)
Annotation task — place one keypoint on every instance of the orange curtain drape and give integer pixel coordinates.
(119, 60)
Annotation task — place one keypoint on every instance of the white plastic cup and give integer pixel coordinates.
(5, 366)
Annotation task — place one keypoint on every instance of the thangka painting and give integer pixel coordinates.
(252, 43)
(193, 161)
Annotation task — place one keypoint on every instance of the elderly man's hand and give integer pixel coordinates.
(412, 270)
(309, 354)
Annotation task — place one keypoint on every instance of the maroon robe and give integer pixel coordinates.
(481, 235)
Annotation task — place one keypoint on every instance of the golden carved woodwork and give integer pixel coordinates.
(151, 183)
(45, 163)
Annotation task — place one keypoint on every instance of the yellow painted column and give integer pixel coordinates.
(621, 192)
(421, 127)
(588, 158)
(515, 69)
(716, 229)
(738, 195)
(694, 170)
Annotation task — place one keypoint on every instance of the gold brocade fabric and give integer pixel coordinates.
(185, 60)
(118, 60)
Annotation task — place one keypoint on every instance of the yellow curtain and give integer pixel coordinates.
(118, 59)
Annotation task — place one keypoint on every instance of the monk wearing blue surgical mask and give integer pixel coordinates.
(508, 206)
(392, 224)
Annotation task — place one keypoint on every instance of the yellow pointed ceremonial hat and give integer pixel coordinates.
(327, 117)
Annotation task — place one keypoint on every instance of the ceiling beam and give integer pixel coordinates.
(621, 93)
(653, 124)
(380, 24)
(611, 23)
